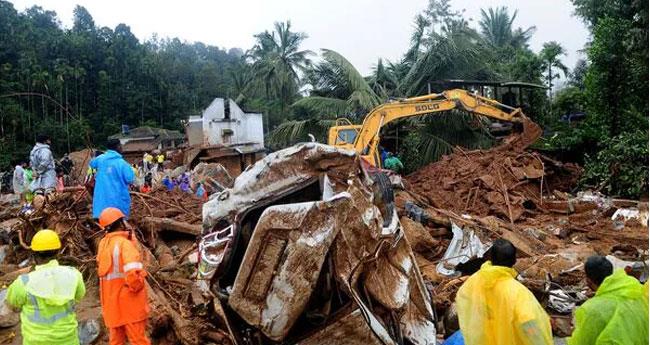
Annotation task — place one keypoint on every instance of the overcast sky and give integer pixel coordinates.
(361, 30)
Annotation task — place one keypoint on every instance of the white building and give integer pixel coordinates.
(224, 123)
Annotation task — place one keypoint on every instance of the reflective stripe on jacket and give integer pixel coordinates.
(46, 298)
(121, 284)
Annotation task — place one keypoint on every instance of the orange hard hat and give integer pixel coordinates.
(109, 216)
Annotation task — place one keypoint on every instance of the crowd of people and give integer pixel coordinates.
(46, 296)
(41, 173)
(493, 307)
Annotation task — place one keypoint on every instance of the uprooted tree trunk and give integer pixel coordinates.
(160, 224)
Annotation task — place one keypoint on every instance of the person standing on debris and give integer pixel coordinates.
(60, 179)
(112, 180)
(47, 295)
(147, 162)
(67, 164)
(393, 163)
(43, 166)
(160, 159)
(18, 180)
(494, 308)
(29, 177)
(617, 314)
(122, 281)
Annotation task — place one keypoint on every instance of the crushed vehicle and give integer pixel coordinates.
(307, 248)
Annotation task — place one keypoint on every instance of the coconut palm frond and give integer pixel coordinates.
(325, 107)
(438, 133)
(353, 77)
(291, 132)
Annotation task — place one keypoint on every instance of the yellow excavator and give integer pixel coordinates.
(364, 138)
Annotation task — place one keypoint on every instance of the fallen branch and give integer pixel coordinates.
(166, 203)
(173, 225)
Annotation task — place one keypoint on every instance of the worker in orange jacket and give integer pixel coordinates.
(122, 281)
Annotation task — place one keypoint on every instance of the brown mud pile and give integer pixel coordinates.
(526, 198)
(505, 181)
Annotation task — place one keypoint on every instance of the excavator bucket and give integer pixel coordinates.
(529, 134)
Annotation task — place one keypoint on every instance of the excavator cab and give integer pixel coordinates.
(343, 134)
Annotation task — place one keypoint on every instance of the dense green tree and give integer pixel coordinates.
(80, 84)
(614, 80)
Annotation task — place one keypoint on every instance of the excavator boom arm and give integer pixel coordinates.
(368, 138)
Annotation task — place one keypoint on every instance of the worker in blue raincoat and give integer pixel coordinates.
(42, 162)
(114, 175)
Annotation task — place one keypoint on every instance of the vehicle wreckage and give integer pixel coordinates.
(307, 248)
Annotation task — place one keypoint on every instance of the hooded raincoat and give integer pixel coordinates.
(617, 314)
(43, 166)
(18, 180)
(46, 298)
(495, 309)
(114, 175)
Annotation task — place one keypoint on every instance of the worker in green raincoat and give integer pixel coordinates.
(46, 296)
(393, 163)
(617, 314)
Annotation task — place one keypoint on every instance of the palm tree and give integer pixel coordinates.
(278, 62)
(338, 90)
(550, 55)
(497, 29)
(454, 53)
(384, 79)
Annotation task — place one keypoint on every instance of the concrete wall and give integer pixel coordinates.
(244, 127)
(194, 130)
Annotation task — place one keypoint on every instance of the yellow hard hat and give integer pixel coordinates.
(45, 240)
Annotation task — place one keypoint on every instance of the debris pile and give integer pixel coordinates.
(505, 183)
(166, 224)
(305, 245)
(452, 209)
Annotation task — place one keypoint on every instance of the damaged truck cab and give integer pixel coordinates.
(307, 248)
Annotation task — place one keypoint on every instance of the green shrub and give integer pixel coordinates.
(620, 168)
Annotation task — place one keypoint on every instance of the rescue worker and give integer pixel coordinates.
(47, 295)
(122, 281)
(29, 178)
(617, 314)
(42, 162)
(393, 163)
(495, 309)
(147, 162)
(18, 180)
(67, 164)
(112, 180)
(160, 159)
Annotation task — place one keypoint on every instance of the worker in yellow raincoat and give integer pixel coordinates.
(46, 296)
(617, 314)
(495, 309)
